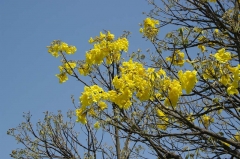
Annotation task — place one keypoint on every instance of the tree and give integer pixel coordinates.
(185, 105)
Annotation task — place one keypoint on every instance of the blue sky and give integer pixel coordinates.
(28, 81)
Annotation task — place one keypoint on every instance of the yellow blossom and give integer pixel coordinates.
(207, 120)
(174, 92)
(91, 112)
(188, 80)
(231, 90)
(209, 73)
(92, 94)
(223, 56)
(202, 48)
(190, 118)
(216, 31)
(69, 66)
(105, 47)
(84, 69)
(237, 136)
(161, 72)
(225, 79)
(109, 36)
(81, 116)
(91, 40)
(96, 125)
(71, 50)
(58, 46)
(177, 58)
(62, 77)
(102, 36)
(102, 105)
(149, 28)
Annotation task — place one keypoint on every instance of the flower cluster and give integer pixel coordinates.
(105, 47)
(135, 81)
(84, 69)
(66, 68)
(221, 71)
(206, 120)
(223, 56)
(58, 46)
(177, 58)
(132, 82)
(174, 92)
(188, 80)
(149, 29)
(91, 95)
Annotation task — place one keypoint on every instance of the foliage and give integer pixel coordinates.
(182, 101)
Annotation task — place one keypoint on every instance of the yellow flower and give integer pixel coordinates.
(190, 118)
(102, 105)
(63, 46)
(161, 114)
(53, 50)
(202, 48)
(149, 28)
(216, 31)
(69, 66)
(58, 46)
(225, 79)
(209, 73)
(207, 120)
(105, 47)
(91, 112)
(96, 125)
(62, 77)
(223, 56)
(188, 80)
(71, 50)
(61, 69)
(162, 126)
(102, 36)
(81, 116)
(177, 58)
(237, 136)
(91, 40)
(174, 92)
(84, 69)
(109, 36)
(161, 72)
(232, 90)
(92, 94)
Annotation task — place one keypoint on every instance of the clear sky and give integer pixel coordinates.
(27, 71)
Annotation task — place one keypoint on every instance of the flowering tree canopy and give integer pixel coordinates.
(182, 100)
